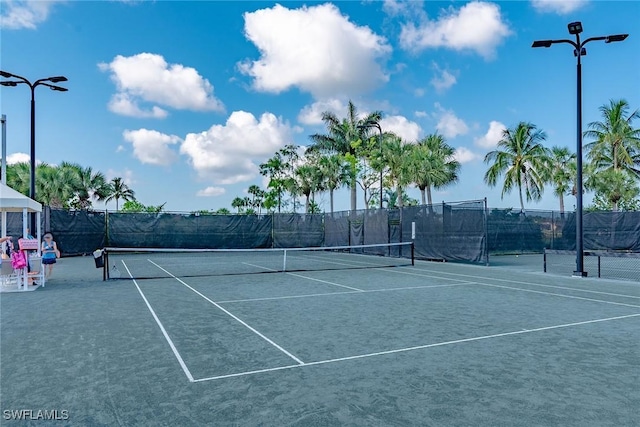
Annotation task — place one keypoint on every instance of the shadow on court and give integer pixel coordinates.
(436, 344)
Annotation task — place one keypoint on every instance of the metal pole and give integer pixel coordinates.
(380, 130)
(4, 149)
(32, 188)
(579, 241)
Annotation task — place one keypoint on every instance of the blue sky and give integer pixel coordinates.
(185, 99)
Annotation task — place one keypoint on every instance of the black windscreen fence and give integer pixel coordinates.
(462, 231)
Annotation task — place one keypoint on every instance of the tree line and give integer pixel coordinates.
(71, 186)
(353, 152)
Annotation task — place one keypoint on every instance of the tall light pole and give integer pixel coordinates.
(40, 82)
(579, 51)
(376, 125)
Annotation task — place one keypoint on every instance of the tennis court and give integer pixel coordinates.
(429, 344)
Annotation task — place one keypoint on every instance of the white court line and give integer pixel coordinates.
(520, 289)
(343, 293)
(309, 278)
(162, 329)
(558, 295)
(255, 331)
(529, 283)
(419, 347)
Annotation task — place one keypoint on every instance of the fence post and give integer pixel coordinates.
(486, 233)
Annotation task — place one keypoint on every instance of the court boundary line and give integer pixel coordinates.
(477, 277)
(181, 361)
(529, 283)
(242, 322)
(342, 293)
(414, 348)
(554, 294)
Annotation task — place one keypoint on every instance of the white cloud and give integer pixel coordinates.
(476, 26)
(560, 7)
(14, 158)
(419, 92)
(17, 14)
(413, 9)
(211, 192)
(230, 153)
(316, 49)
(443, 79)
(120, 149)
(126, 175)
(464, 155)
(312, 114)
(401, 126)
(151, 146)
(449, 124)
(420, 114)
(147, 77)
(494, 134)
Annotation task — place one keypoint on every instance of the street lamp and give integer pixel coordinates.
(376, 125)
(579, 51)
(41, 82)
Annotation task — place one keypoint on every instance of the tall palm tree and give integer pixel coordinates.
(117, 190)
(341, 138)
(335, 173)
(90, 184)
(19, 177)
(275, 169)
(395, 153)
(616, 143)
(562, 168)
(522, 159)
(238, 203)
(433, 165)
(55, 185)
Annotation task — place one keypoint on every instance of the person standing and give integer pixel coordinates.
(50, 253)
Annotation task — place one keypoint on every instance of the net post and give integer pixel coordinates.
(105, 267)
(598, 266)
(413, 257)
(544, 260)
(486, 233)
(284, 260)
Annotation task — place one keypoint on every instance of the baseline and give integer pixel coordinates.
(419, 347)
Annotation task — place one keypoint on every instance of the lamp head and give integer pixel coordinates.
(542, 43)
(615, 38)
(5, 74)
(59, 88)
(9, 83)
(575, 27)
(57, 79)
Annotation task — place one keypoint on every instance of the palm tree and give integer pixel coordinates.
(222, 211)
(523, 160)
(308, 182)
(562, 175)
(56, 185)
(117, 190)
(238, 203)
(395, 153)
(276, 169)
(433, 165)
(335, 173)
(616, 144)
(19, 177)
(342, 137)
(90, 184)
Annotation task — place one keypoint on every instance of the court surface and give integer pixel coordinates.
(436, 344)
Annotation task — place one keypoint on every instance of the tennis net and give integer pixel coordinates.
(152, 263)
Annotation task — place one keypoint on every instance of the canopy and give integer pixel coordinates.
(13, 201)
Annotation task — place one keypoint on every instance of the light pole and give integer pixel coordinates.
(40, 82)
(376, 125)
(579, 51)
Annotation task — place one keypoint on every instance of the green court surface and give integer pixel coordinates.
(436, 344)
